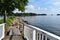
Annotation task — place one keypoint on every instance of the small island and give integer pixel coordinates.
(58, 14)
(42, 14)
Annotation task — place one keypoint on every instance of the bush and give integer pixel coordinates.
(11, 17)
(1, 21)
(16, 23)
(8, 22)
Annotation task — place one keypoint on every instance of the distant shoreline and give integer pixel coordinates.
(29, 14)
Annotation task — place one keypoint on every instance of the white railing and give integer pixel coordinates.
(2, 30)
(33, 31)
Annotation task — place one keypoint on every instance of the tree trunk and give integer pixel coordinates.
(5, 16)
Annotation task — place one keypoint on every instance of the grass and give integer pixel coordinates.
(8, 21)
(1, 21)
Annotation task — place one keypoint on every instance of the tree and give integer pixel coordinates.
(7, 6)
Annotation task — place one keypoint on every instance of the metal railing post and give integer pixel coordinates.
(34, 34)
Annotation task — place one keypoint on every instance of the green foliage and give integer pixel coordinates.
(7, 6)
(10, 5)
(16, 23)
(1, 21)
(8, 22)
(11, 17)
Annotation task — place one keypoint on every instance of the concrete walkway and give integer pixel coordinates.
(16, 38)
(16, 32)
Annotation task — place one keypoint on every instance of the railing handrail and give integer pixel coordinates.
(48, 33)
(3, 30)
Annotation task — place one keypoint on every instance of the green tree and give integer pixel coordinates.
(7, 6)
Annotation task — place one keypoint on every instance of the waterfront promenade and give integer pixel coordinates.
(29, 32)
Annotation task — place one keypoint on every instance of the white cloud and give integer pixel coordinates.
(56, 3)
(34, 9)
(30, 6)
(51, 6)
(39, 8)
(16, 11)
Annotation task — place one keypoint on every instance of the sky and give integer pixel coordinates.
(42, 6)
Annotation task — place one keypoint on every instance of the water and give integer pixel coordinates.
(48, 23)
(1, 17)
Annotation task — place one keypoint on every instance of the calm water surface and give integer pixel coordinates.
(1, 17)
(48, 23)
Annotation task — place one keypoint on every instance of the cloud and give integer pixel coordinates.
(56, 3)
(34, 9)
(30, 7)
(16, 11)
(39, 8)
(43, 6)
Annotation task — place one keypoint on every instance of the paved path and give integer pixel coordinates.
(14, 31)
(16, 38)
(15, 34)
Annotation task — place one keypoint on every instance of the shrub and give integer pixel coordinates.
(1, 21)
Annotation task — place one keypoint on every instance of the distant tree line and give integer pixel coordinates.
(29, 14)
(23, 14)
